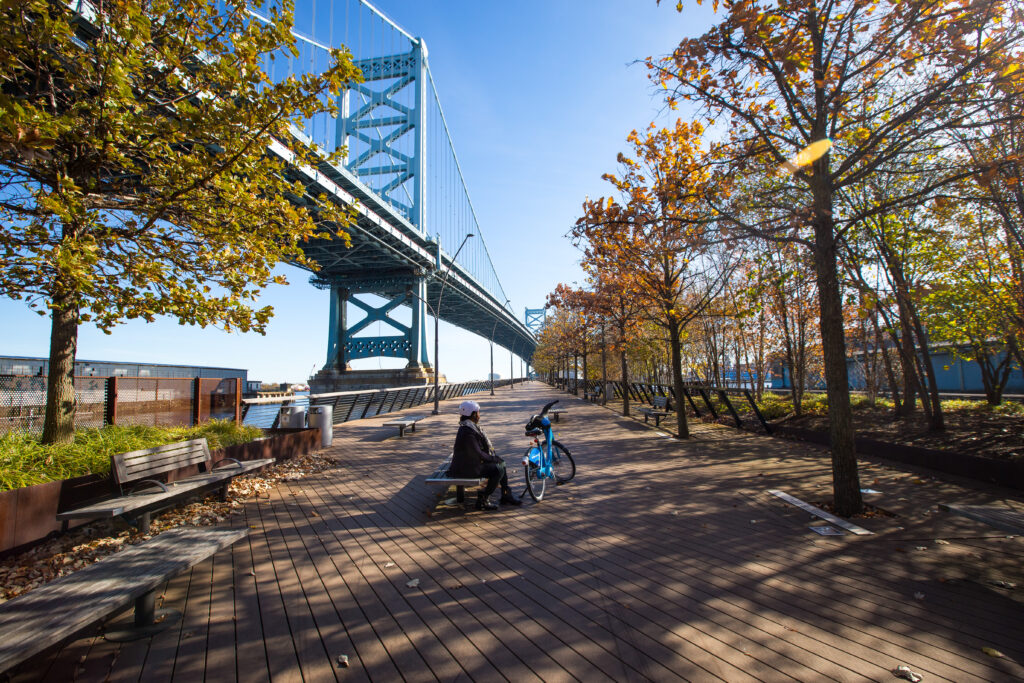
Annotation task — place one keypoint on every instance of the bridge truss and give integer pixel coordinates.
(403, 176)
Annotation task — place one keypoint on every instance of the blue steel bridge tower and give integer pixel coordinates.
(403, 181)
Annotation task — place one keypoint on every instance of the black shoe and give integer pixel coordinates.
(485, 504)
(509, 499)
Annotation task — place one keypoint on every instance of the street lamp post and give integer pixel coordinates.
(507, 302)
(437, 313)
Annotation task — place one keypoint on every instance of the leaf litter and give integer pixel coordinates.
(87, 544)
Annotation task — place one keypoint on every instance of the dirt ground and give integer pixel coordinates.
(983, 434)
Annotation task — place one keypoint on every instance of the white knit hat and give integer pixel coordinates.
(467, 408)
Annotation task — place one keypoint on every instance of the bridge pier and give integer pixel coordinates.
(345, 345)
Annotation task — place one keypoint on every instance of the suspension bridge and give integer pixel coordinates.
(416, 241)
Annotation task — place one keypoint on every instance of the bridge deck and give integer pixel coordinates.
(662, 560)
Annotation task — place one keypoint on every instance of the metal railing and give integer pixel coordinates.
(356, 405)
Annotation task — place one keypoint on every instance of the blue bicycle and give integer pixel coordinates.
(546, 459)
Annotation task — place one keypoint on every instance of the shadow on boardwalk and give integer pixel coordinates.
(662, 560)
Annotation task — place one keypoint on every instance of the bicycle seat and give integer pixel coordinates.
(536, 431)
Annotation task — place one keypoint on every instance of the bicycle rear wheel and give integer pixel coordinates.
(535, 481)
(562, 463)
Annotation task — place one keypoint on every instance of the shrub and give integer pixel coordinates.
(774, 406)
(24, 461)
(815, 404)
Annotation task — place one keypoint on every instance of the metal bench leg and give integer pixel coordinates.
(460, 494)
(146, 625)
(401, 431)
(145, 609)
(657, 421)
(144, 520)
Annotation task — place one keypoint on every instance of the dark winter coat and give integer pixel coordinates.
(472, 449)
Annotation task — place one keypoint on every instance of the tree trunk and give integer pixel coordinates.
(625, 381)
(887, 364)
(604, 369)
(936, 421)
(845, 478)
(585, 376)
(677, 381)
(59, 423)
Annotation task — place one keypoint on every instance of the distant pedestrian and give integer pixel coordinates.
(474, 456)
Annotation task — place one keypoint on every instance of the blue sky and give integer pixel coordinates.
(539, 97)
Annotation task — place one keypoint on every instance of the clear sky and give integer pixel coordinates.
(539, 96)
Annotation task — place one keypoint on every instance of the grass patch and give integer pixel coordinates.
(25, 462)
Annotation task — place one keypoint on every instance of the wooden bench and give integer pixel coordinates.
(440, 476)
(403, 422)
(45, 616)
(996, 516)
(593, 395)
(148, 466)
(555, 412)
(658, 410)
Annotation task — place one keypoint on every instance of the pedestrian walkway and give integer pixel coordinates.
(662, 560)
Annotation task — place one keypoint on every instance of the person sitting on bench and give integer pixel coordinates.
(473, 456)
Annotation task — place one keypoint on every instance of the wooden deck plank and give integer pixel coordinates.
(443, 613)
(441, 662)
(462, 557)
(584, 611)
(250, 651)
(461, 550)
(663, 560)
(305, 636)
(163, 647)
(219, 662)
(190, 658)
(327, 604)
(395, 596)
(282, 658)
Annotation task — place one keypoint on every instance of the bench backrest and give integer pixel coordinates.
(660, 402)
(150, 462)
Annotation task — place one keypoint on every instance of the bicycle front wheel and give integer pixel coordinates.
(562, 463)
(536, 482)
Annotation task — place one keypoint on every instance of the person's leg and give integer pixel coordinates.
(493, 474)
(507, 497)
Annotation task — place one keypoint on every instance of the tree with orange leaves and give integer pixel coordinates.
(580, 309)
(852, 85)
(660, 237)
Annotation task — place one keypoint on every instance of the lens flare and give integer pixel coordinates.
(807, 156)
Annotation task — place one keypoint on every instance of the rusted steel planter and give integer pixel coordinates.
(29, 514)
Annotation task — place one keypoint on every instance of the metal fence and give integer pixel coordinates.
(167, 401)
(171, 401)
(356, 405)
(700, 399)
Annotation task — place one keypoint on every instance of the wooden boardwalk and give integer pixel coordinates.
(662, 560)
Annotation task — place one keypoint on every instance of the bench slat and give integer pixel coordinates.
(440, 476)
(147, 462)
(43, 617)
(124, 504)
